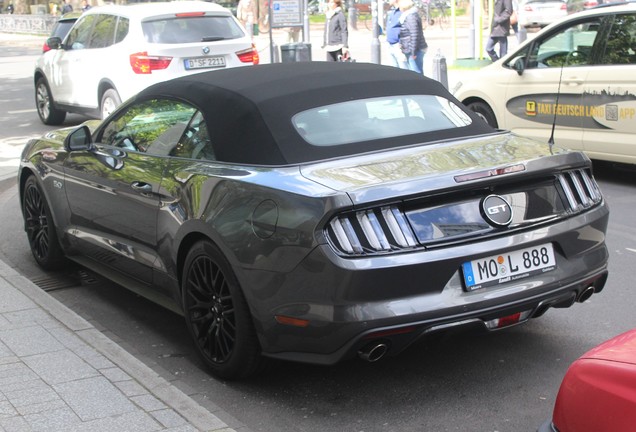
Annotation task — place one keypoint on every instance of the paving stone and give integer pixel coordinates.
(6, 409)
(31, 393)
(131, 388)
(29, 341)
(130, 422)
(148, 402)
(12, 299)
(62, 419)
(94, 398)
(60, 366)
(115, 374)
(15, 373)
(15, 424)
(169, 418)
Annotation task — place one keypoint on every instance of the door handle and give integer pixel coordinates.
(141, 187)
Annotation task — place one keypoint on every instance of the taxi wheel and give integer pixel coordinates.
(483, 110)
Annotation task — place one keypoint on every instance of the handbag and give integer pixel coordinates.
(513, 18)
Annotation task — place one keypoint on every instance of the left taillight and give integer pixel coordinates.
(249, 55)
(142, 63)
(46, 47)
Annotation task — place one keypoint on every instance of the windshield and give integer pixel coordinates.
(377, 118)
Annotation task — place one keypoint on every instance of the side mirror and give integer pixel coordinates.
(54, 43)
(519, 64)
(79, 139)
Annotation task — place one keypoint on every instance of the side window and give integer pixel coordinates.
(570, 46)
(123, 24)
(154, 126)
(78, 37)
(621, 43)
(195, 142)
(104, 31)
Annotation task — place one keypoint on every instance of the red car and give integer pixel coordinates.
(598, 392)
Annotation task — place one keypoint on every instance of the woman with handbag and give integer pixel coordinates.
(335, 38)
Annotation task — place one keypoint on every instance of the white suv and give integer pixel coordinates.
(113, 52)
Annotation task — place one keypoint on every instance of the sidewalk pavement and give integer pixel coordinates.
(59, 373)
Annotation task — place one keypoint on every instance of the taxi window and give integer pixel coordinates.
(621, 43)
(571, 46)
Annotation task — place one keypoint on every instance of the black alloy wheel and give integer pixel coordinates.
(40, 227)
(485, 112)
(217, 314)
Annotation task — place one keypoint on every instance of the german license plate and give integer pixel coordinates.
(204, 62)
(499, 269)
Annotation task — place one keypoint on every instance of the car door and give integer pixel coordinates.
(608, 130)
(548, 89)
(68, 77)
(113, 188)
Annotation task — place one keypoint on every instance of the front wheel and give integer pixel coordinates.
(485, 112)
(217, 314)
(40, 227)
(45, 105)
(110, 102)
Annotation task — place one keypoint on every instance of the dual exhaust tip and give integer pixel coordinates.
(375, 351)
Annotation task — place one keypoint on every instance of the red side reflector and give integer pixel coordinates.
(189, 14)
(509, 320)
(296, 322)
(142, 63)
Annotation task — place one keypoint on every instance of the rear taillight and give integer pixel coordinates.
(142, 63)
(590, 4)
(249, 55)
(45, 47)
(564, 6)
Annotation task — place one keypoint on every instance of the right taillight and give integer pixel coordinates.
(142, 63)
(249, 55)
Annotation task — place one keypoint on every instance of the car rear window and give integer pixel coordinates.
(191, 29)
(378, 118)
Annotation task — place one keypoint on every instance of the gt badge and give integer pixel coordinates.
(496, 211)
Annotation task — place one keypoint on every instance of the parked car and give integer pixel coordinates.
(575, 81)
(113, 52)
(316, 211)
(598, 392)
(61, 28)
(540, 13)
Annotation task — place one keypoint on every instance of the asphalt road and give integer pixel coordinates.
(464, 381)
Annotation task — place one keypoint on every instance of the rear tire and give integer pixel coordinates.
(40, 227)
(110, 102)
(485, 112)
(217, 314)
(46, 106)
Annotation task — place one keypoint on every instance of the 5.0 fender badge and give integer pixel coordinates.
(496, 211)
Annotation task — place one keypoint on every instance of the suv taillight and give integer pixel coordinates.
(142, 63)
(249, 55)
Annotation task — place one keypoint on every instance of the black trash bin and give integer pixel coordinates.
(295, 52)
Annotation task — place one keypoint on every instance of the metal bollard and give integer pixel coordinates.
(440, 70)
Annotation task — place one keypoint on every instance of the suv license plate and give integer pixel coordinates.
(204, 62)
(499, 269)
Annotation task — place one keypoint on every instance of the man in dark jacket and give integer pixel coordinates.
(500, 29)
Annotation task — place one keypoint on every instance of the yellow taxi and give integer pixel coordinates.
(575, 82)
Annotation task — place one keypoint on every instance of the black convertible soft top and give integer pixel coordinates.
(248, 110)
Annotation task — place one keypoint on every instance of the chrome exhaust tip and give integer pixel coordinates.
(373, 352)
(586, 294)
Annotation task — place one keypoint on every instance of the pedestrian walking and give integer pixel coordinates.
(393, 28)
(412, 41)
(85, 5)
(67, 7)
(499, 29)
(245, 12)
(336, 36)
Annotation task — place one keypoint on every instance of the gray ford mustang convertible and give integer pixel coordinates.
(316, 212)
